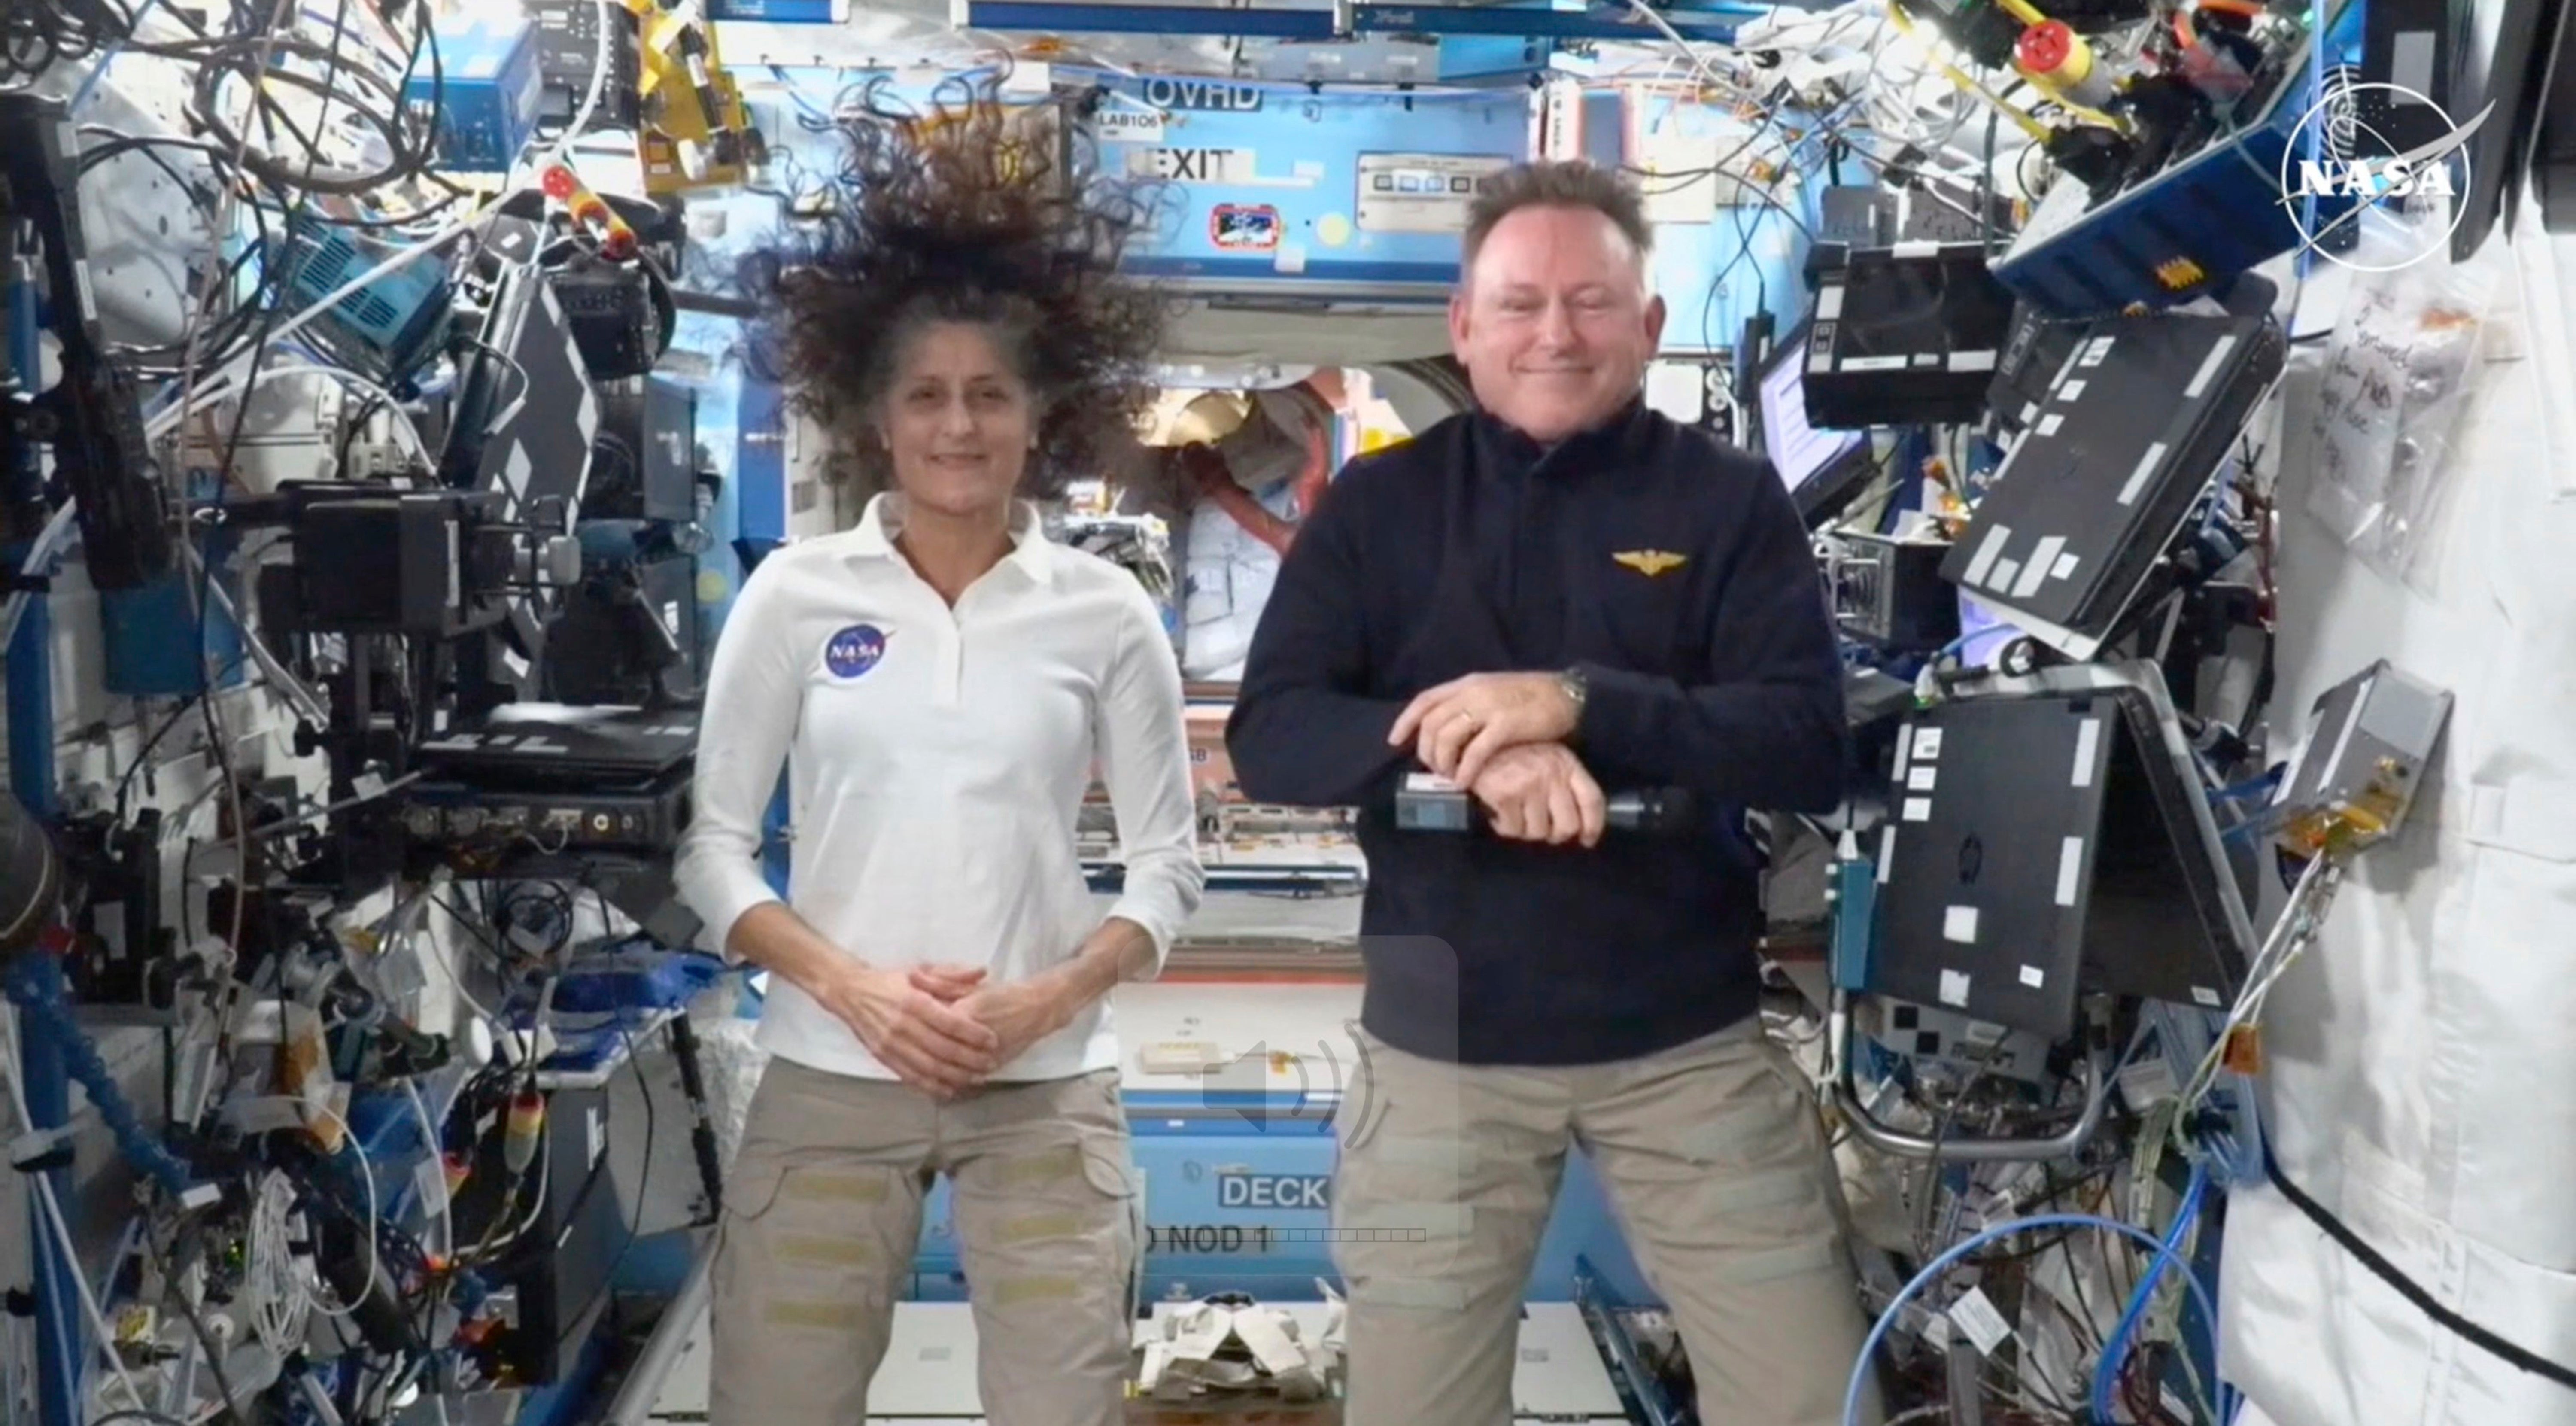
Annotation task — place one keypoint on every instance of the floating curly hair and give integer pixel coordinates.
(971, 211)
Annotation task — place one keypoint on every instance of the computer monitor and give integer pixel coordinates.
(2506, 60)
(2052, 839)
(1822, 468)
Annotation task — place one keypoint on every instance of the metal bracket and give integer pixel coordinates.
(1900, 1144)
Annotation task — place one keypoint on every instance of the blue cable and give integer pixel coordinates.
(2115, 1352)
(36, 1000)
(1941, 1264)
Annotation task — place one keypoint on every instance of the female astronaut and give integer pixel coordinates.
(941, 684)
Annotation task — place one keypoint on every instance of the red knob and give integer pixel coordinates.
(2044, 47)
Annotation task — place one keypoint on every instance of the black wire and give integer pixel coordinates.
(1947, 1117)
(400, 220)
(408, 150)
(516, 1257)
(635, 1212)
(2409, 1289)
(1986, 189)
(143, 755)
(377, 1230)
(221, 342)
(34, 38)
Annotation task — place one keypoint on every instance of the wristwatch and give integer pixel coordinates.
(1575, 687)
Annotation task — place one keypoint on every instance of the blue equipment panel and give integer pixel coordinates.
(760, 464)
(486, 88)
(159, 641)
(1853, 890)
(1273, 189)
(1237, 1197)
(386, 327)
(2217, 213)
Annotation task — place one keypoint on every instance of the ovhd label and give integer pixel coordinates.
(1274, 1190)
(1202, 94)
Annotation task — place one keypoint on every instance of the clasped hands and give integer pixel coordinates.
(943, 1029)
(1501, 736)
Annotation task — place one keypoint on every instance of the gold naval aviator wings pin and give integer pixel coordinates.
(1650, 562)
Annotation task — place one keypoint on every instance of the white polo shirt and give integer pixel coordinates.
(937, 760)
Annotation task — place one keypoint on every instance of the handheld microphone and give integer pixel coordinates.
(1434, 804)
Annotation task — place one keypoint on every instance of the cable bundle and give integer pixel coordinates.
(36, 35)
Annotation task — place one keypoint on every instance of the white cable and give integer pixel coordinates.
(429, 1129)
(1716, 81)
(53, 1215)
(225, 384)
(292, 689)
(2290, 934)
(366, 1172)
(48, 542)
(402, 418)
(545, 1174)
(561, 150)
(456, 979)
(608, 13)
(285, 1303)
(343, 805)
(306, 701)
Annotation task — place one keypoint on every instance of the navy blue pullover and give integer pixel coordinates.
(1675, 572)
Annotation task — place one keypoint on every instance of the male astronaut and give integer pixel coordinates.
(1558, 593)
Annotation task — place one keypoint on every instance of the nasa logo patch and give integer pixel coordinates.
(854, 650)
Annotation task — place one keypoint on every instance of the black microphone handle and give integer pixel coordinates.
(1658, 810)
(1663, 809)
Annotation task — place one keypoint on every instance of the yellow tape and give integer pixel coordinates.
(1038, 1228)
(1058, 1163)
(837, 1252)
(837, 1187)
(821, 1316)
(1012, 1292)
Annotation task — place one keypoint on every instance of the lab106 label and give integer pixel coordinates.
(1274, 1190)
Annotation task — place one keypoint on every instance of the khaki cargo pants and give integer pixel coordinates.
(1712, 1154)
(822, 1218)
